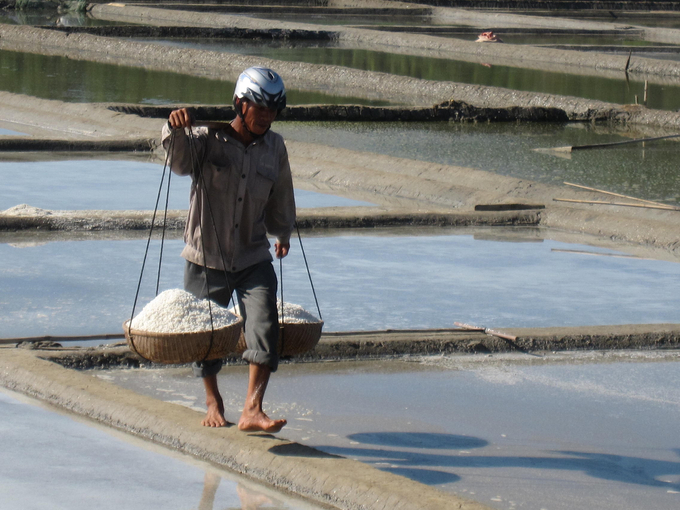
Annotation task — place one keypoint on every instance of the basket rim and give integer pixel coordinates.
(132, 331)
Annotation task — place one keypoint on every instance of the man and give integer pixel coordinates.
(241, 191)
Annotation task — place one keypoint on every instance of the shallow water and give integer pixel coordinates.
(51, 460)
(110, 184)
(363, 281)
(648, 171)
(590, 430)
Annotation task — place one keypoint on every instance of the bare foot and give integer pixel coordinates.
(257, 421)
(215, 415)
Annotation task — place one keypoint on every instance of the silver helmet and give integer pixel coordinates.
(262, 86)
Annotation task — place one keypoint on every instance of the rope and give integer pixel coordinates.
(148, 241)
(282, 329)
(165, 222)
(199, 179)
(311, 283)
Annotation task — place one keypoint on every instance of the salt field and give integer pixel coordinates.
(537, 430)
(556, 431)
(365, 280)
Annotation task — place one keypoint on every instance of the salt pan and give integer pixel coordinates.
(179, 311)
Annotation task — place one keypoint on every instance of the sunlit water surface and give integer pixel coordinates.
(363, 281)
(112, 185)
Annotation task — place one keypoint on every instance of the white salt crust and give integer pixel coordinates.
(179, 311)
(292, 313)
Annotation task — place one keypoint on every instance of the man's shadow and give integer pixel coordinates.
(402, 453)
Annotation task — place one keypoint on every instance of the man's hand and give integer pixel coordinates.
(180, 119)
(281, 250)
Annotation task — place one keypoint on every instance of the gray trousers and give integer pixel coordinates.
(255, 289)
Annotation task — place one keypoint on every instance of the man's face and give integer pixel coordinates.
(257, 118)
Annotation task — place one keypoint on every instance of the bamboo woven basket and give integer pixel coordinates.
(294, 338)
(174, 348)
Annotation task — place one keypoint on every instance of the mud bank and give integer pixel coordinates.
(30, 218)
(449, 111)
(362, 345)
(327, 479)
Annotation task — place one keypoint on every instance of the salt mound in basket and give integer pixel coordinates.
(299, 331)
(176, 328)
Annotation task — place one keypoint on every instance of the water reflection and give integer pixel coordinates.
(250, 499)
(82, 81)
(618, 91)
(365, 281)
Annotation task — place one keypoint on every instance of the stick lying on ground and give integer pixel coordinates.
(510, 338)
(644, 206)
(570, 148)
(488, 331)
(618, 195)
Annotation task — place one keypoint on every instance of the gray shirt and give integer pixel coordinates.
(245, 194)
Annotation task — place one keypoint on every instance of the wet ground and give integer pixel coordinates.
(560, 431)
(84, 465)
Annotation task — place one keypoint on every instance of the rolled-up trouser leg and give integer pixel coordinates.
(255, 288)
(220, 293)
(256, 292)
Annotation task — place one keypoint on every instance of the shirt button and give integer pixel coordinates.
(233, 268)
(243, 176)
(240, 199)
(236, 226)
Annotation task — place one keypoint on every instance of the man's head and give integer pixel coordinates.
(258, 96)
(261, 86)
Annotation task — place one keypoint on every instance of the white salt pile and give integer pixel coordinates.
(179, 311)
(25, 210)
(292, 313)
